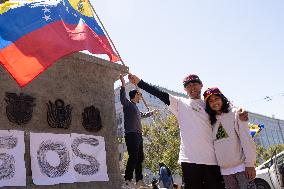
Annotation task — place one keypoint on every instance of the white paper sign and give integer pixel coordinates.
(12, 164)
(89, 158)
(50, 158)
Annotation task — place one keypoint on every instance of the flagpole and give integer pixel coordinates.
(114, 47)
(106, 32)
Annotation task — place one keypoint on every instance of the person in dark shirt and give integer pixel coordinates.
(133, 134)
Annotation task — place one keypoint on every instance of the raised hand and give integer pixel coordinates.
(122, 80)
(243, 115)
(133, 79)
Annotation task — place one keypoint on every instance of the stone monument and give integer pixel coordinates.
(84, 82)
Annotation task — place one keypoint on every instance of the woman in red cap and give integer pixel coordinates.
(234, 147)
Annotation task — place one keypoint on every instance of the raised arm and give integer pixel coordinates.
(124, 101)
(163, 96)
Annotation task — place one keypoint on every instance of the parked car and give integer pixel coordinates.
(269, 175)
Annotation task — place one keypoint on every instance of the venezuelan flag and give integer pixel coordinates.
(36, 33)
(255, 129)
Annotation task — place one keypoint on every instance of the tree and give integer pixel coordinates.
(260, 154)
(275, 148)
(161, 143)
(265, 154)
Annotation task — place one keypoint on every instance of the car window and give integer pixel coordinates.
(280, 159)
(267, 165)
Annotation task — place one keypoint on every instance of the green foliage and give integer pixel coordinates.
(265, 154)
(161, 144)
(124, 161)
(260, 154)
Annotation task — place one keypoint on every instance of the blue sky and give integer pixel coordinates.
(236, 45)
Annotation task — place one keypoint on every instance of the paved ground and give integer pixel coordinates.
(123, 187)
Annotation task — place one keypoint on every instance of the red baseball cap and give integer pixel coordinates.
(211, 91)
(192, 78)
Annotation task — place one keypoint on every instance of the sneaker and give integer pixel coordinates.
(141, 185)
(128, 184)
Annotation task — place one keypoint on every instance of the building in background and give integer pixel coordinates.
(273, 132)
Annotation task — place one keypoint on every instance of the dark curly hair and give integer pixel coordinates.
(224, 109)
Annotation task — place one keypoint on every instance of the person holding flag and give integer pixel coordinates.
(133, 135)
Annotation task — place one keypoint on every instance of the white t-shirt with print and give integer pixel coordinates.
(195, 131)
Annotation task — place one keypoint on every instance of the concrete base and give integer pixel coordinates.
(80, 80)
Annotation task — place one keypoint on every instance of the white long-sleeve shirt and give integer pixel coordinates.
(195, 131)
(232, 142)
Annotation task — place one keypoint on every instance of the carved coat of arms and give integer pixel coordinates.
(59, 115)
(91, 119)
(19, 108)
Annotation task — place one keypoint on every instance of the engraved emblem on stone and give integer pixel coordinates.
(19, 108)
(91, 119)
(59, 115)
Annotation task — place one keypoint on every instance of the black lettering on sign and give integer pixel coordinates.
(7, 168)
(83, 169)
(62, 151)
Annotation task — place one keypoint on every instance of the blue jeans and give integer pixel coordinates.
(167, 182)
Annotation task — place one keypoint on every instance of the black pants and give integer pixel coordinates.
(134, 143)
(199, 176)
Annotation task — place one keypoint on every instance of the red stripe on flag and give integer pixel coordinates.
(32, 54)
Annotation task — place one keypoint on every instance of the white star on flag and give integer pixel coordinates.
(46, 9)
(46, 17)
